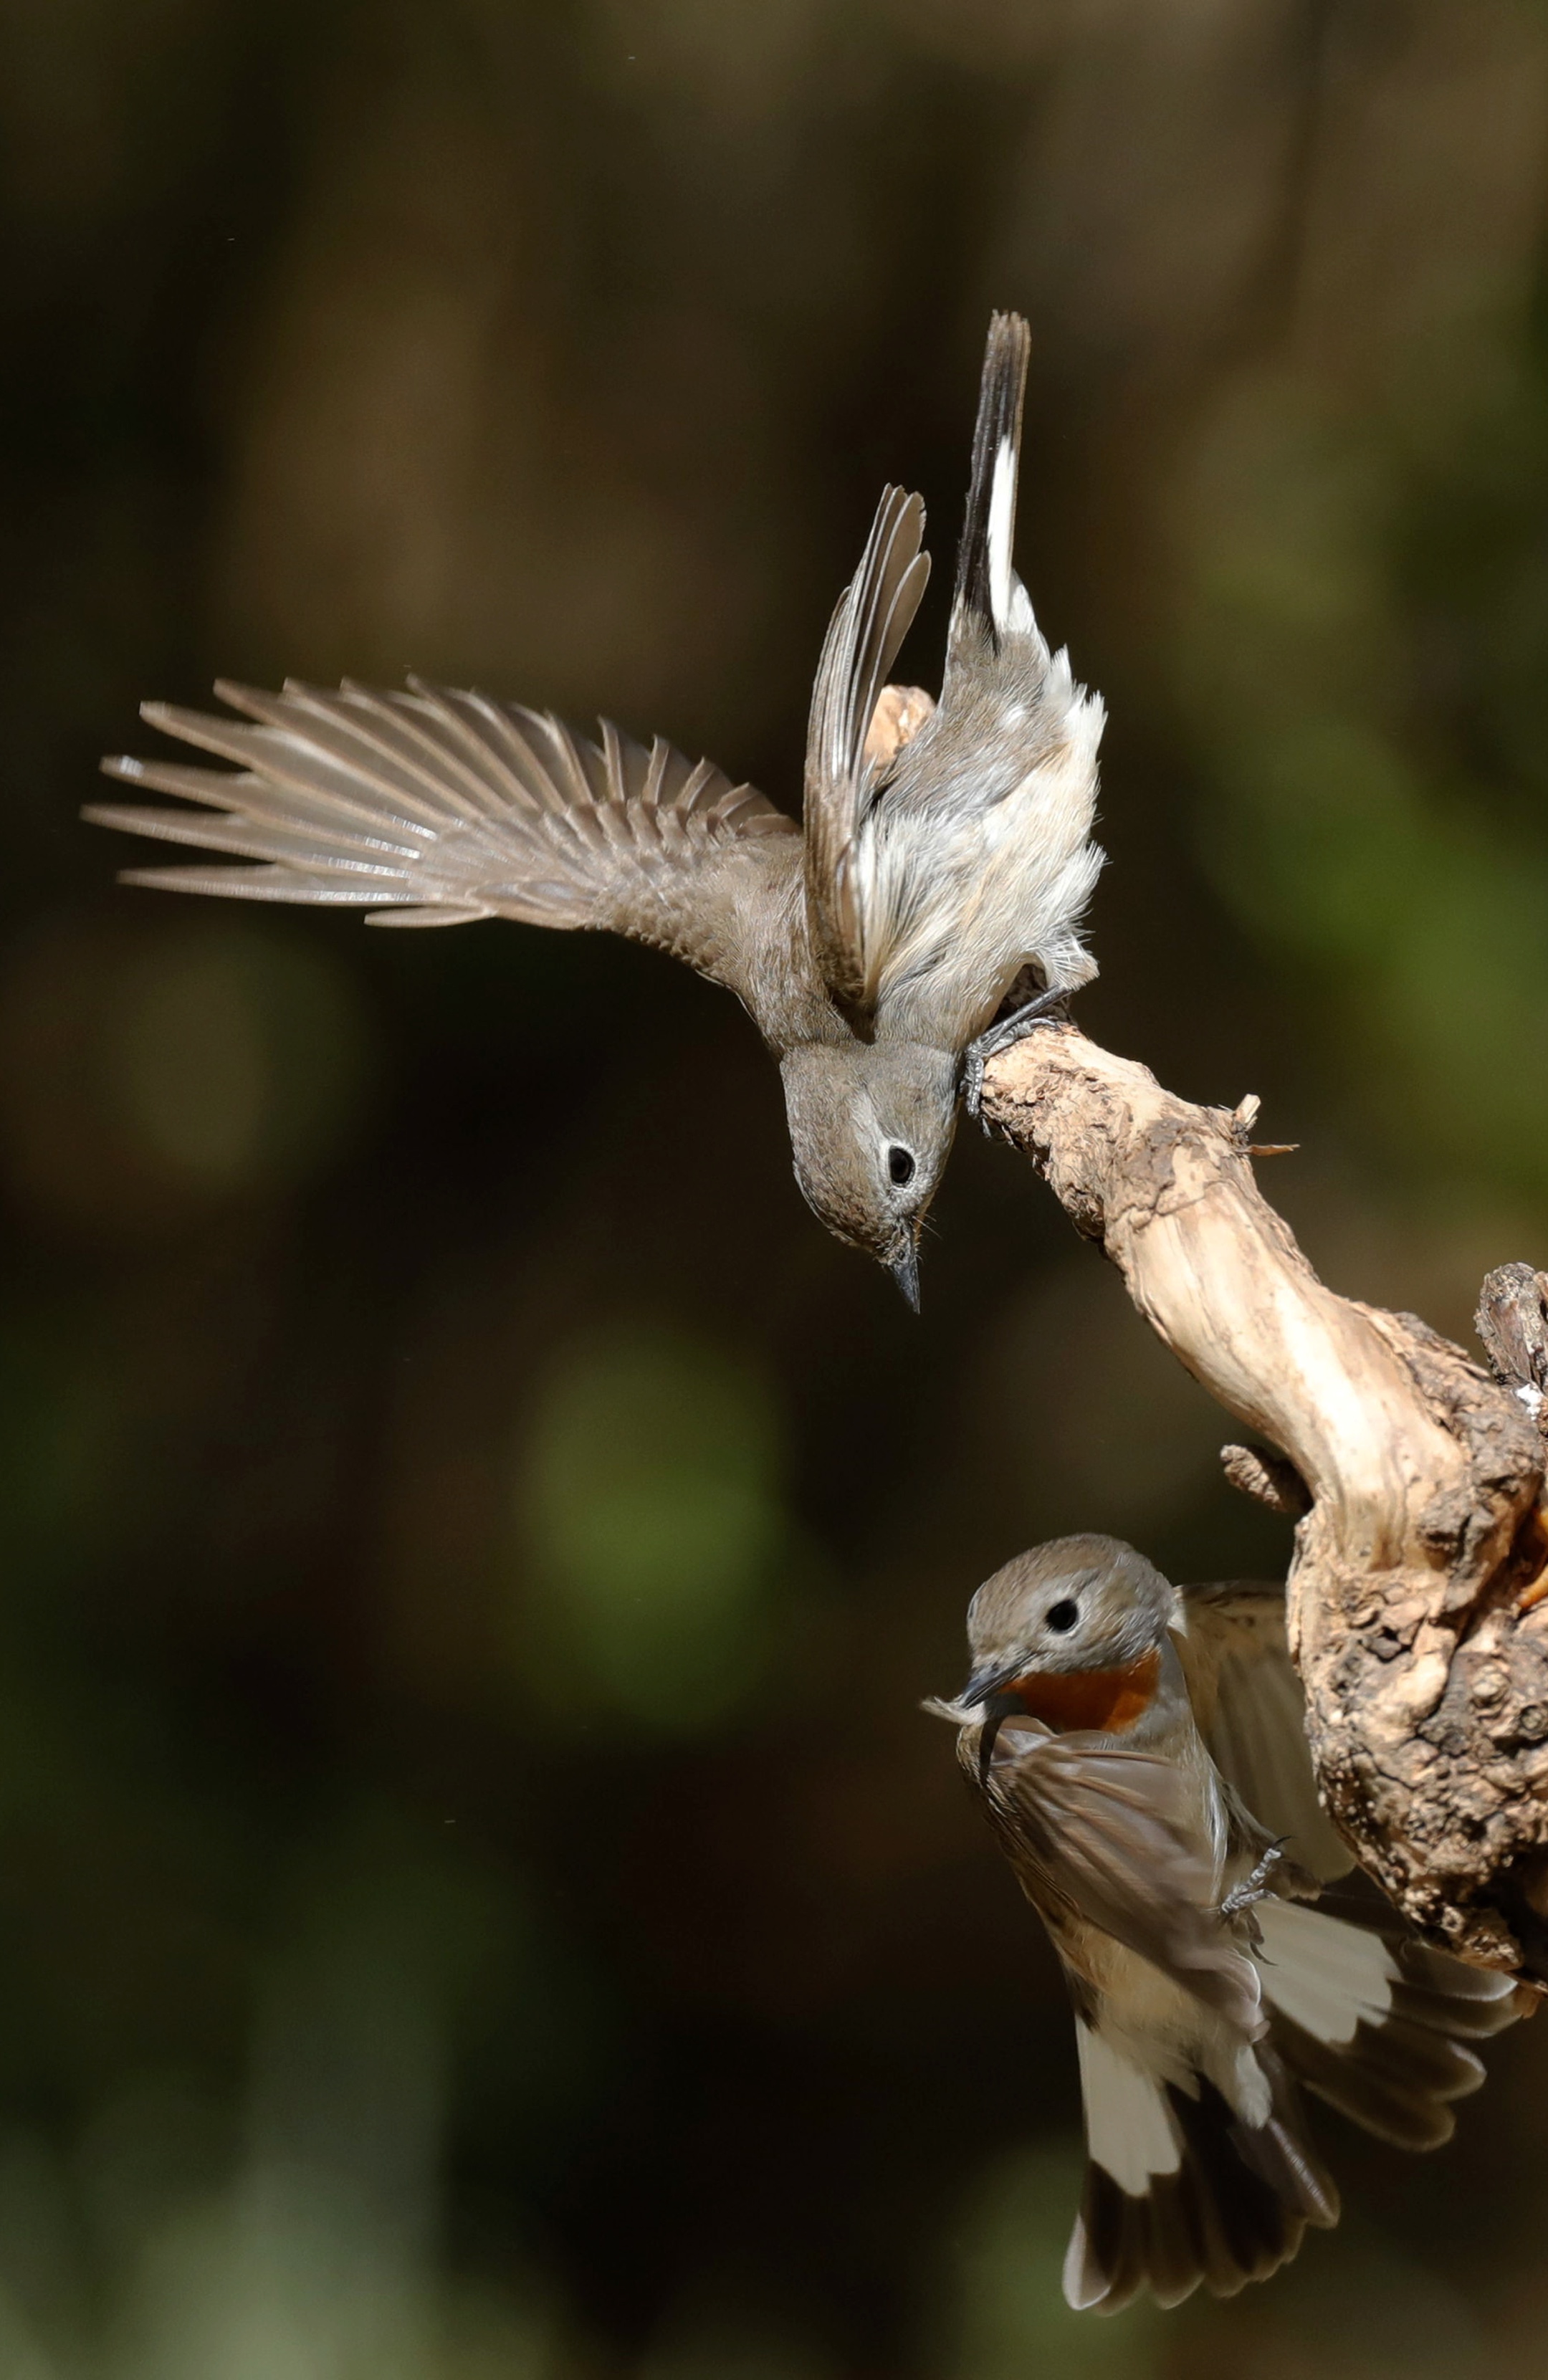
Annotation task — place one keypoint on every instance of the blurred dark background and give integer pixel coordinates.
(478, 1897)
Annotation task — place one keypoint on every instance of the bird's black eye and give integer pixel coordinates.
(900, 1165)
(1062, 1616)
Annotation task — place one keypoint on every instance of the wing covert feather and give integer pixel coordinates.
(1251, 1712)
(1106, 1831)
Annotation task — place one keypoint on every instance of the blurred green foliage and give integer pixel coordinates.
(1013, 2318)
(1362, 659)
(649, 1496)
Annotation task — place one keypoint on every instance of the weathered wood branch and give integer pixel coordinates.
(1418, 1590)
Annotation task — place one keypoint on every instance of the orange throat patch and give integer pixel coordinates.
(1107, 1701)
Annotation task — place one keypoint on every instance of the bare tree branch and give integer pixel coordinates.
(1419, 1591)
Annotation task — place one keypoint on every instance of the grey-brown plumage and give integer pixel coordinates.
(874, 952)
(1140, 1754)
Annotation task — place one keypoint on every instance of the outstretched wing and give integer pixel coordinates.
(976, 859)
(1107, 1834)
(1251, 1713)
(873, 616)
(433, 808)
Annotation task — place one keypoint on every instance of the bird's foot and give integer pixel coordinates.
(1048, 1008)
(1254, 1888)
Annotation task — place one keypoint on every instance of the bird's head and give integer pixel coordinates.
(1077, 1607)
(870, 1127)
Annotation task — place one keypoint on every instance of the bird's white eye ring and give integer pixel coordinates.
(1062, 1616)
(900, 1166)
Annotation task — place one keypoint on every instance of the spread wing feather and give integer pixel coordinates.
(433, 806)
(872, 618)
(1105, 1833)
(1247, 1698)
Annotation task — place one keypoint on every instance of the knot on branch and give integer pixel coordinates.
(1512, 1321)
(1269, 1477)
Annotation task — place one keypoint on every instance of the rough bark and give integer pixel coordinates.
(1417, 1595)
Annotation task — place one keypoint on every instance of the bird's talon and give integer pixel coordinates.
(1048, 1008)
(972, 1088)
(1256, 1887)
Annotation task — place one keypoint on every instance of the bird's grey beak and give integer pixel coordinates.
(987, 1685)
(986, 1691)
(905, 1270)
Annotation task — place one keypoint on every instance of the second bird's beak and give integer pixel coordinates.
(905, 1270)
(989, 1686)
(986, 1688)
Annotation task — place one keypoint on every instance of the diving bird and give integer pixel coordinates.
(930, 911)
(1140, 1754)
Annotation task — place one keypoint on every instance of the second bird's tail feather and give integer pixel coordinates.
(987, 588)
(1181, 2189)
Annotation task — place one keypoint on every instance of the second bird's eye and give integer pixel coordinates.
(900, 1165)
(1063, 1615)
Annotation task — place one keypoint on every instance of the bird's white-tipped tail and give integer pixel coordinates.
(987, 587)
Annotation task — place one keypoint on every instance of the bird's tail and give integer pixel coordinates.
(1183, 2186)
(988, 591)
(1375, 2023)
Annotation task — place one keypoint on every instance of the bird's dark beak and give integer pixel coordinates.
(905, 1270)
(988, 1689)
(988, 1684)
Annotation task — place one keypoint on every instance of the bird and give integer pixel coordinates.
(1140, 1754)
(928, 910)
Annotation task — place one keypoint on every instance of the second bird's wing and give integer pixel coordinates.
(1108, 1833)
(432, 807)
(1247, 1698)
(872, 618)
(976, 857)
